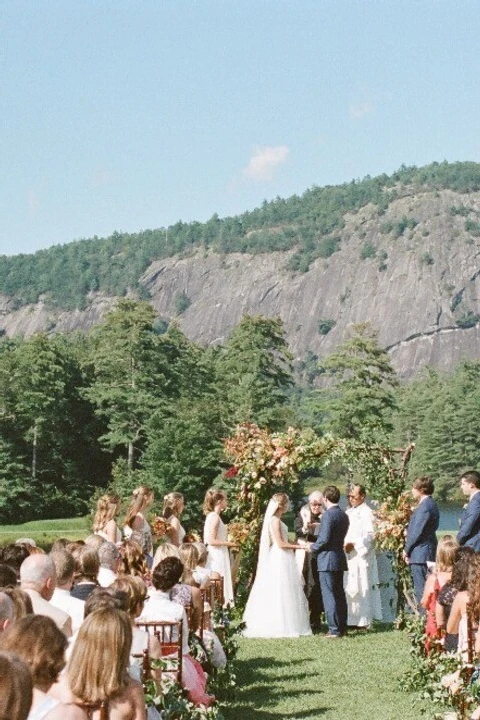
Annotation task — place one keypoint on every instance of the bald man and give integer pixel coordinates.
(38, 579)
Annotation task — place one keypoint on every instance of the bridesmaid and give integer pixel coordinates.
(173, 505)
(136, 525)
(215, 537)
(104, 523)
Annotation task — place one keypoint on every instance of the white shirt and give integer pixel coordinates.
(62, 600)
(160, 607)
(106, 577)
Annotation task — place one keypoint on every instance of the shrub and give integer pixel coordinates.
(181, 302)
(427, 259)
(368, 251)
(325, 325)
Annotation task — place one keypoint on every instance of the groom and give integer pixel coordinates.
(332, 562)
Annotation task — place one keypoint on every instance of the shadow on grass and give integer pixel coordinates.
(256, 692)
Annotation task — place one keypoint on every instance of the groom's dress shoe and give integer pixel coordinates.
(331, 636)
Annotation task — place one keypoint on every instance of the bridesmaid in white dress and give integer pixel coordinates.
(173, 505)
(277, 606)
(136, 524)
(215, 537)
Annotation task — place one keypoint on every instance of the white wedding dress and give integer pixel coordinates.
(277, 606)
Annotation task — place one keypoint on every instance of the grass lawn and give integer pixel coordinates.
(355, 678)
(44, 532)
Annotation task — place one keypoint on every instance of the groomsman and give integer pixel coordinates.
(469, 533)
(421, 545)
(332, 562)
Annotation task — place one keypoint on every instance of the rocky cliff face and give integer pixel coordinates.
(413, 273)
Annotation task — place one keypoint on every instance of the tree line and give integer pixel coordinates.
(64, 276)
(128, 403)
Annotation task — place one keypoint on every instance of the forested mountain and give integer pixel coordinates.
(397, 251)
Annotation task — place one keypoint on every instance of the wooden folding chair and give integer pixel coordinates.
(169, 634)
(146, 667)
(190, 612)
(216, 592)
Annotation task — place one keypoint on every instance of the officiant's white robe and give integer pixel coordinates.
(361, 578)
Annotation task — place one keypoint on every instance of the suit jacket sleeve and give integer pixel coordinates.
(323, 538)
(416, 527)
(470, 522)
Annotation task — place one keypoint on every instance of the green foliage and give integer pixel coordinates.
(472, 227)
(325, 325)
(361, 401)
(368, 251)
(181, 303)
(427, 258)
(468, 319)
(255, 373)
(460, 210)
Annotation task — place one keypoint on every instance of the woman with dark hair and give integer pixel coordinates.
(41, 645)
(458, 583)
(457, 620)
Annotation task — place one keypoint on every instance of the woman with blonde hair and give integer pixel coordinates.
(173, 505)
(104, 523)
(163, 551)
(97, 671)
(136, 524)
(41, 645)
(215, 537)
(442, 574)
(277, 606)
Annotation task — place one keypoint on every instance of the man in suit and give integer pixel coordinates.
(332, 562)
(469, 533)
(421, 544)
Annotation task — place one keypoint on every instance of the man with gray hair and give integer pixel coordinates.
(307, 525)
(6, 611)
(110, 559)
(38, 579)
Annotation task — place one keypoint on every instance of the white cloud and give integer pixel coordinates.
(33, 201)
(264, 161)
(357, 111)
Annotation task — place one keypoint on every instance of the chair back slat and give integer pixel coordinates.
(169, 634)
(216, 592)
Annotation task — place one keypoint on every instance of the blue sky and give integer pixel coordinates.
(120, 115)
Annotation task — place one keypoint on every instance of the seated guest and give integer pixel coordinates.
(97, 671)
(160, 607)
(133, 560)
(37, 578)
(442, 574)
(110, 559)
(61, 598)
(22, 605)
(87, 566)
(136, 591)
(457, 621)
(38, 642)
(201, 574)
(460, 571)
(7, 611)
(14, 555)
(8, 576)
(16, 688)
(94, 541)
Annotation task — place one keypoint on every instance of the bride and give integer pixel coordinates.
(277, 606)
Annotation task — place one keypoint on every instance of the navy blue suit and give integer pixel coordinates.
(332, 563)
(469, 533)
(421, 544)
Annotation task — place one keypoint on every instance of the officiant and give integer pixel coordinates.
(307, 526)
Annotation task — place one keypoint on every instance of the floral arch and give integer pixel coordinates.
(264, 463)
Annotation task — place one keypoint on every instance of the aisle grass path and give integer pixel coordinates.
(355, 678)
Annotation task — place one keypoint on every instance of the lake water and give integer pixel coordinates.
(449, 516)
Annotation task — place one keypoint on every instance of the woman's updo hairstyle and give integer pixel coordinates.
(171, 504)
(281, 499)
(141, 496)
(212, 497)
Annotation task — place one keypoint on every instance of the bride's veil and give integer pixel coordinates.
(272, 508)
